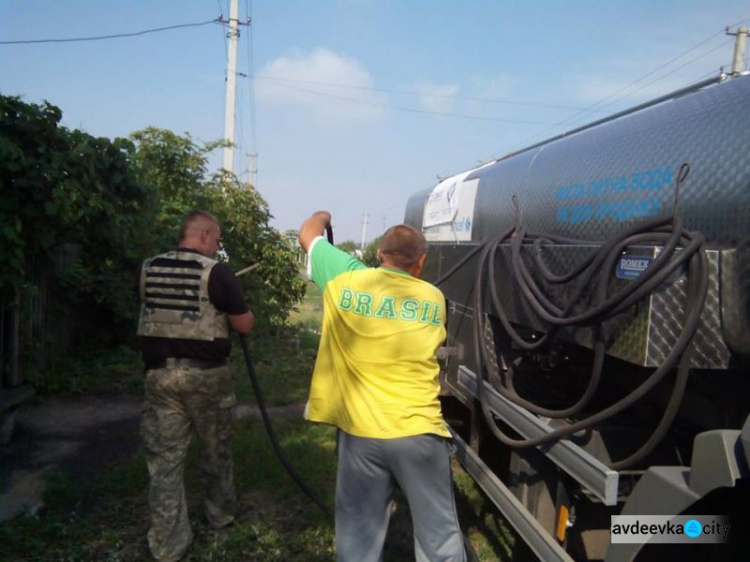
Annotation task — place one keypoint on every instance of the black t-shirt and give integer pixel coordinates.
(225, 294)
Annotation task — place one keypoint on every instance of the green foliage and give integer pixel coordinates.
(177, 167)
(65, 186)
(283, 364)
(111, 203)
(65, 529)
(65, 491)
(348, 246)
(309, 313)
(109, 371)
(370, 256)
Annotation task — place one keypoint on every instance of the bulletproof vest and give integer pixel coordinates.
(174, 298)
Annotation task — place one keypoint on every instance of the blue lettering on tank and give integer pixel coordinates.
(615, 198)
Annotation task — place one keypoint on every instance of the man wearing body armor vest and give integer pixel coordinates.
(188, 302)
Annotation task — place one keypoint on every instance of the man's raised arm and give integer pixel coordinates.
(313, 227)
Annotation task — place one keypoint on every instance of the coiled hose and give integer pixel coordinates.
(594, 272)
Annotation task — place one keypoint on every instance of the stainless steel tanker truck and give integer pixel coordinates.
(598, 353)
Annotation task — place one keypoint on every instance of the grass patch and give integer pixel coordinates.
(283, 364)
(284, 360)
(113, 371)
(81, 517)
(490, 534)
(105, 517)
(310, 449)
(309, 313)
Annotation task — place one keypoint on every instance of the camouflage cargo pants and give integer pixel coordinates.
(180, 401)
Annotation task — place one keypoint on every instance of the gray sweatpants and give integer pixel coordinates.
(368, 470)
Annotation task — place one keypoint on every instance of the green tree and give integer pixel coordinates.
(348, 246)
(370, 255)
(116, 202)
(178, 168)
(62, 186)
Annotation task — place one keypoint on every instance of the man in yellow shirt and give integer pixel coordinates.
(376, 380)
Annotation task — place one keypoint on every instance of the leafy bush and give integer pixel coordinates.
(107, 371)
(65, 186)
(117, 202)
(177, 167)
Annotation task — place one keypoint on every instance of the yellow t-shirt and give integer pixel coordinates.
(376, 374)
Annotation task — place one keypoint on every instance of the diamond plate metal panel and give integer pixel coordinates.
(642, 335)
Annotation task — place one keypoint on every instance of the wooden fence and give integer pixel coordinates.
(36, 326)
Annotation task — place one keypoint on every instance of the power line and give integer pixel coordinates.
(412, 110)
(416, 93)
(251, 92)
(664, 65)
(575, 118)
(573, 121)
(661, 77)
(114, 36)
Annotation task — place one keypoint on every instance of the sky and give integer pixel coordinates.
(352, 106)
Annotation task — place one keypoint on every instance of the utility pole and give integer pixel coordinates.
(252, 167)
(233, 35)
(364, 232)
(740, 48)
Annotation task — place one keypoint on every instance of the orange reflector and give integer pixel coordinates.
(562, 523)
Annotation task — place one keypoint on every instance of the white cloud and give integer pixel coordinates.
(435, 97)
(324, 84)
(493, 87)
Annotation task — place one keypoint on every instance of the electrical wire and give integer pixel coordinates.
(223, 35)
(251, 92)
(575, 117)
(414, 93)
(113, 36)
(661, 77)
(411, 110)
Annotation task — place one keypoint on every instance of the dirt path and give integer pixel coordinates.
(80, 434)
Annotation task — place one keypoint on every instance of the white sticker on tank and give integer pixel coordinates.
(449, 211)
(440, 207)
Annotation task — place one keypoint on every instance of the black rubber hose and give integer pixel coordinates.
(600, 263)
(694, 309)
(609, 256)
(599, 350)
(508, 391)
(657, 269)
(478, 248)
(272, 434)
(603, 263)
